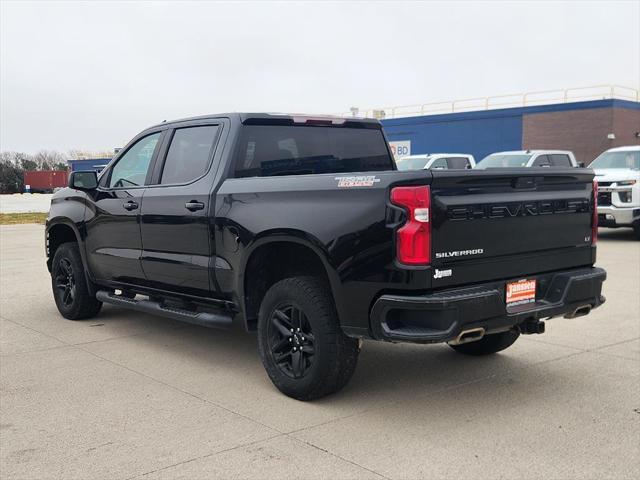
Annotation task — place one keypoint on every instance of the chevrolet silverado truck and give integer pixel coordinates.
(529, 158)
(437, 161)
(618, 175)
(302, 230)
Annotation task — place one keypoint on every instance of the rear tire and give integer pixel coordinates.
(301, 344)
(69, 284)
(489, 344)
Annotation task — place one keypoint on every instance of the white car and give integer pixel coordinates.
(444, 161)
(529, 158)
(618, 176)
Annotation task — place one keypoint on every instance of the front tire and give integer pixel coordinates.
(69, 284)
(301, 344)
(488, 344)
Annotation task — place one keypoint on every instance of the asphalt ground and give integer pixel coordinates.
(129, 395)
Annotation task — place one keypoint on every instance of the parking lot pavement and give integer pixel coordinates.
(128, 395)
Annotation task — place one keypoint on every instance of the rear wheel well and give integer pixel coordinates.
(271, 263)
(56, 236)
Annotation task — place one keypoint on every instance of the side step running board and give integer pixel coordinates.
(204, 319)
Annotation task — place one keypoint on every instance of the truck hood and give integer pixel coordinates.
(616, 174)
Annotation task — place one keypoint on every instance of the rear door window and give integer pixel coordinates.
(560, 160)
(269, 150)
(189, 154)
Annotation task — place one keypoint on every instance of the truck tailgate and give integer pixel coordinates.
(505, 223)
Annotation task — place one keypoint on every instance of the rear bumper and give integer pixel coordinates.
(611, 216)
(442, 316)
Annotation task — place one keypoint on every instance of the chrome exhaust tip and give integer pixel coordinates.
(467, 336)
(581, 311)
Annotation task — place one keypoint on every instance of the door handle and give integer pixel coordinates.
(193, 205)
(130, 205)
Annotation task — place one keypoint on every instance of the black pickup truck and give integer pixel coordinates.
(302, 229)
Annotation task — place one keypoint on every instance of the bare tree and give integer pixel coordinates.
(11, 172)
(14, 164)
(25, 161)
(50, 160)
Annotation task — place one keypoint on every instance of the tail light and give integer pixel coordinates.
(413, 239)
(594, 218)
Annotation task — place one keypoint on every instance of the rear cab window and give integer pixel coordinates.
(560, 160)
(273, 150)
(439, 164)
(409, 163)
(542, 161)
(504, 160)
(460, 163)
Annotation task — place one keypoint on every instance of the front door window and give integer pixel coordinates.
(131, 169)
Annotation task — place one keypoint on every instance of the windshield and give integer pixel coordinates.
(497, 160)
(617, 160)
(408, 163)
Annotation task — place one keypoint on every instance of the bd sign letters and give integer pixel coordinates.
(400, 148)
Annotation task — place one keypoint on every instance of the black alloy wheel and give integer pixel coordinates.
(291, 341)
(70, 286)
(301, 344)
(65, 282)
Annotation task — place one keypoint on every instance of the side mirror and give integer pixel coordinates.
(87, 180)
(581, 165)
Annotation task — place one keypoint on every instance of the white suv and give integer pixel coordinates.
(529, 158)
(436, 160)
(618, 175)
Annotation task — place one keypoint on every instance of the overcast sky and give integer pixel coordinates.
(92, 75)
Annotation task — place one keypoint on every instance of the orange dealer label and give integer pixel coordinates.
(522, 291)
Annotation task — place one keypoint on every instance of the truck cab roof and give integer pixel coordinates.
(533, 152)
(253, 118)
(627, 148)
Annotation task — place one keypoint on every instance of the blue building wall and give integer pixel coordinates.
(96, 164)
(478, 136)
(478, 133)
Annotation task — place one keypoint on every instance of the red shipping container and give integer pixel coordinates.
(46, 180)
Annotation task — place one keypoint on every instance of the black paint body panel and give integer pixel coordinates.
(202, 256)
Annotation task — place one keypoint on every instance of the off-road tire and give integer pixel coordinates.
(335, 355)
(489, 344)
(82, 304)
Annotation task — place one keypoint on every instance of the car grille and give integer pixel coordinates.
(604, 199)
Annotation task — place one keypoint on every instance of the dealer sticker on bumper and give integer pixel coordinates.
(522, 291)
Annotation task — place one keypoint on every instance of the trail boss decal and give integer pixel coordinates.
(358, 181)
